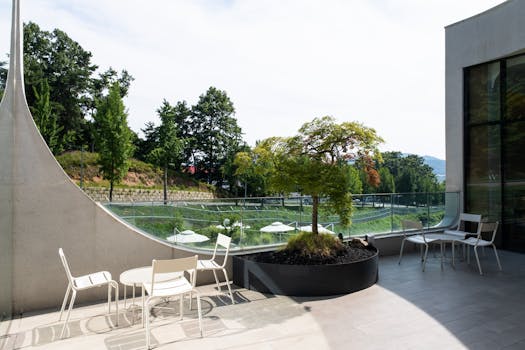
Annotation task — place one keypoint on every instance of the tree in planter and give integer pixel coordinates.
(169, 147)
(316, 162)
(112, 137)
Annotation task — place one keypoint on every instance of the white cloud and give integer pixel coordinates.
(281, 62)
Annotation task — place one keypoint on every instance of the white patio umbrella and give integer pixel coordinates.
(277, 227)
(320, 229)
(187, 236)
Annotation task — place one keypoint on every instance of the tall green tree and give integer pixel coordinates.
(46, 119)
(3, 77)
(410, 173)
(74, 88)
(144, 146)
(169, 147)
(113, 137)
(182, 116)
(215, 134)
(67, 67)
(316, 162)
(387, 184)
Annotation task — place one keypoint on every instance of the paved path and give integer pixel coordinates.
(407, 309)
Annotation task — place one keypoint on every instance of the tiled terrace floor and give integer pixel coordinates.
(407, 309)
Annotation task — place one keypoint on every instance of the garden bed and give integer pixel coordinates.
(269, 273)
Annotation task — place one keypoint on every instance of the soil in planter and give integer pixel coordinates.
(352, 252)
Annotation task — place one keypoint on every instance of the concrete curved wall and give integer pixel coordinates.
(41, 209)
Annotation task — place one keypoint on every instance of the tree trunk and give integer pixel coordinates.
(315, 209)
(165, 184)
(111, 191)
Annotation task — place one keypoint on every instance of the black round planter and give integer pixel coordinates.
(305, 280)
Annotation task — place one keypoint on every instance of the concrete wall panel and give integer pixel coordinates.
(496, 33)
(41, 209)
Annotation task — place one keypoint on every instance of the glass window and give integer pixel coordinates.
(495, 145)
(483, 154)
(483, 93)
(513, 161)
(515, 88)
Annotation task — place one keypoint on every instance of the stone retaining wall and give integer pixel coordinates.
(101, 194)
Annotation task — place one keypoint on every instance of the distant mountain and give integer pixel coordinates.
(438, 165)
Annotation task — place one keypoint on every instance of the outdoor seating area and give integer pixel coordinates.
(454, 308)
(318, 240)
(163, 280)
(467, 233)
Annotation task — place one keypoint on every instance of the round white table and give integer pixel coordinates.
(140, 275)
(135, 278)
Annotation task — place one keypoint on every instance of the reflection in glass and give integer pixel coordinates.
(515, 88)
(495, 142)
(483, 93)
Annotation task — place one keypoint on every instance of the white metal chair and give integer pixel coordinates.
(163, 286)
(97, 279)
(212, 265)
(478, 241)
(417, 238)
(460, 230)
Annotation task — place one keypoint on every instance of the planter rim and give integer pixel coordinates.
(335, 264)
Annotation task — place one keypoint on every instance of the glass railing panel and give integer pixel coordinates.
(258, 222)
(371, 214)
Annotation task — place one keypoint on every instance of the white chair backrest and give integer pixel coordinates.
(223, 241)
(171, 266)
(470, 217)
(489, 227)
(66, 265)
(411, 225)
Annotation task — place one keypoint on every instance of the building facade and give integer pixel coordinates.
(485, 117)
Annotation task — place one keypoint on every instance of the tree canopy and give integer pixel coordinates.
(316, 162)
(74, 88)
(215, 134)
(113, 137)
(169, 146)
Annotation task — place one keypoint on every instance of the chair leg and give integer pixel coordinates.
(442, 253)
(68, 313)
(401, 252)
(68, 290)
(116, 304)
(216, 280)
(199, 312)
(425, 256)
(452, 248)
(181, 306)
(477, 259)
(109, 298)
(228, 284)
(143, 307)
(145, 318)
(497, 257)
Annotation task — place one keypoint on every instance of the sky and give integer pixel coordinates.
(281, 62)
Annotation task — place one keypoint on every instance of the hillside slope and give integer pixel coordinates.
(141, 175)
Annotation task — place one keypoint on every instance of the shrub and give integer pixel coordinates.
(311, 245)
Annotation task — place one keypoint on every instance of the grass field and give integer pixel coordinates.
(205, 216)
